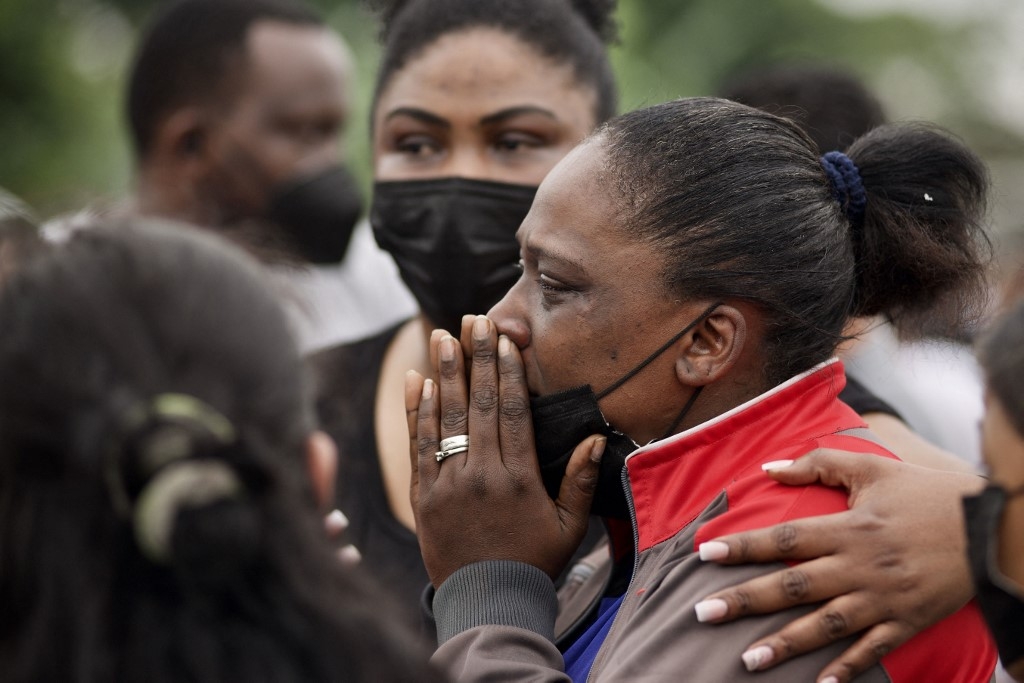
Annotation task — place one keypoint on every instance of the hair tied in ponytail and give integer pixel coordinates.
(847, 186)
(153, 473)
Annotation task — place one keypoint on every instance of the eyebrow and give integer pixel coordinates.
(539, 253)
(512, 112)
(419, 115)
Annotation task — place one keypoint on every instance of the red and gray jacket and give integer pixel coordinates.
(497, 620)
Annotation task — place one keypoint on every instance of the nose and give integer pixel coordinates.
(467, 161)
(508, 317)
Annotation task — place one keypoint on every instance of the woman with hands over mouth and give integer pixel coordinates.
(687, 275)
(476, 100)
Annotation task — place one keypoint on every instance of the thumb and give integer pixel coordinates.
(827, 466)
(580, 481)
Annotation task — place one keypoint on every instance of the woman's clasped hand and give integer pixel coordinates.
(479, 389)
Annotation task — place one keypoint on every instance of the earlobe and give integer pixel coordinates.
(322, 463)
(712, 348)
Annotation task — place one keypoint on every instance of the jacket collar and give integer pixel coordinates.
(674, 479)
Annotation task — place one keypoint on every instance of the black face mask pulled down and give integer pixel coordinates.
(561, 421)
(454, 240)
(1000, 603)
(317, 214)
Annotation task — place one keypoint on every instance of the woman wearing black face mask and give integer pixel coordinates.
(995, 519)
(473, 106)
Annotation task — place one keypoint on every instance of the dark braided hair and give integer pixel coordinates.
(740, 202)
(567, 32)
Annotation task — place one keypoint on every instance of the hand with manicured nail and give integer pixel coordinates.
(335, 523)
(900, 544)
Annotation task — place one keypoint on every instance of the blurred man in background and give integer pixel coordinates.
(236, 110)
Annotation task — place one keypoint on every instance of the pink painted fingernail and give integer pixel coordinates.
(830, 679)
(349, 555)
(336, 522)
(776, 465)
(758, 657)
(710, 610)
(713, 550)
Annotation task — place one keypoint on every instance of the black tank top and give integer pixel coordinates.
(346, 379)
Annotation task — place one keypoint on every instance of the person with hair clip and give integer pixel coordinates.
(687, 275)
(475, 102)
(160, 474)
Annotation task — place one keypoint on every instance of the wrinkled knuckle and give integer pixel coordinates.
(784, 647)
(485, 399)
(743, 547)
(866, 522)
(478, 485)
(785, 538)
(425, 445)
(454, 419)
(742, 602)
(887, 559)
(519, 485)
(879, 647)
(795, 584)
(587, 483)
(449, 368)
(483, 354)
(515, 411)
(833, 625)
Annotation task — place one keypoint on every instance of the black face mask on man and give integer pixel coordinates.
(561, 421)
(1001, 602)
(454, 240)
(317, 214)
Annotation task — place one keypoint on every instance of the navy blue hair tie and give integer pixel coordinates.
(847, 186)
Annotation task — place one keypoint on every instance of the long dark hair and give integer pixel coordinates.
(740, 202)
(245, 587)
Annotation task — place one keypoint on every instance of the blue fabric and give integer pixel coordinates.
(581, 654)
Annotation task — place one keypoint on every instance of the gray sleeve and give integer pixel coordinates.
(495, 621)
(664, 641)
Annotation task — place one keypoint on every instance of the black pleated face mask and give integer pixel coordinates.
(1001, 604)
(317, 214)
(561, 421)
(454, 240)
